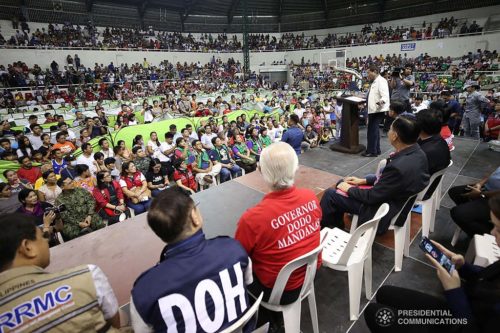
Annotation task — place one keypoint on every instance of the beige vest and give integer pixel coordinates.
(33, 300)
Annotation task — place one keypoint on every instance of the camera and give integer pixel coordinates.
(397, 71)
(56, 210)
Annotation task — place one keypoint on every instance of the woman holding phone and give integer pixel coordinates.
(471, 294)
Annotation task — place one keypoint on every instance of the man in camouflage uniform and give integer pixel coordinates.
(80, 217)
(141, 161)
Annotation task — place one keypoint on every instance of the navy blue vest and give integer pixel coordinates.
(198, 286)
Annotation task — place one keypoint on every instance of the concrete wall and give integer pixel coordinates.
(441, 47)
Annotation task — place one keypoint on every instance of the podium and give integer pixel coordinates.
(349, 137)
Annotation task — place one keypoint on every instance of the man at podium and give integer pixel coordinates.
(378, 104)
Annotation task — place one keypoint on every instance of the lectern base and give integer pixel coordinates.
(348, 150)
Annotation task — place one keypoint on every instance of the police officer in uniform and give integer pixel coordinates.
(475, 102)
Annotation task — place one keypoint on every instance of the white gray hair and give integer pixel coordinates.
(278, 165)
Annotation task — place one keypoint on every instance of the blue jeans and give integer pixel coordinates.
(140, 207)
(156, 192)
(225, 173)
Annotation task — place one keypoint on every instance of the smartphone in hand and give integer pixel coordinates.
(427, 246)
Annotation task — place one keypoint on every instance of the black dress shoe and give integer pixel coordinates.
(366, 154)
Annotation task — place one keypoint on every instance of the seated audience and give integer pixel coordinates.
(470, 293)
(41, 212)
(156, 178)
(253, 142)
(204, 169)
(267, 231)
(241, 155)
(84, 178)
(87, 157)
(9, 202)
(110, 202)
(184, 177)
(222, 155)
(24, 256)
(105, 148)
(109, 163)
(183, 150)
(80, 217)
(66, 147)
(164, 297)
(27, 170)
(70, 167)
(405, 174)
(135, 188)
(24, 147)
(49, 191)
(433, 145)
(141, 160)
(471, 212)
(15, 184)
(492, 124)
(99, 162)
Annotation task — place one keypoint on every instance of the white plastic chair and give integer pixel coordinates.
(237, 327)
(124, 311)
(456, 234)
(291, 312)
(439, 189)
(483, 251)
(429, 205)
(353, 252)
(401, 234)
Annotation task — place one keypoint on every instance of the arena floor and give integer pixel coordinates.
(126, 249)
(471, 162)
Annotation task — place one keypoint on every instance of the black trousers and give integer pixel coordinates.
(373, 133)
(396, 298)
(265, 315)
(472, 216)
(334, 206)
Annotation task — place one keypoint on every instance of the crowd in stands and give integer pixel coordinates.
(212, 75)
(123, 82)
(67, 35)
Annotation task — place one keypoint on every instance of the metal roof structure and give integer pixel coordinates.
(226, 15)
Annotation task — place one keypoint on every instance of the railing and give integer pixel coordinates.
(139, 49)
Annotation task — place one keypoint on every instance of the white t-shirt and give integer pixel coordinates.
(36, 141)
(206, 140)
(148, 116)
(299, 112)
(164, 147)
(155, 148)
(82, 159)
(108, 153)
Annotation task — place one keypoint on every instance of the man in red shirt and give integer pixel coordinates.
(282, 227)
(27, 170)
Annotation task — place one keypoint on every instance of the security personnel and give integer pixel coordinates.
(79, 299)
(199, 285)
(475, 102)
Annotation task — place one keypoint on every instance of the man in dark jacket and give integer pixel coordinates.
(195, 276)
(434, 146)
(405, 174)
